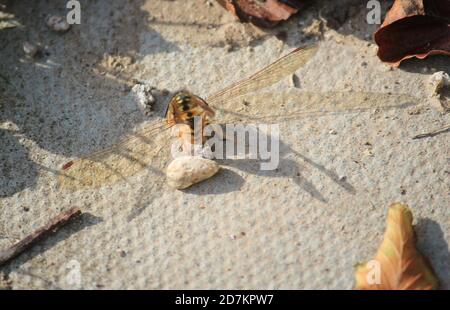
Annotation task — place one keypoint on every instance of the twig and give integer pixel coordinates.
(19, 247)
(433, 133)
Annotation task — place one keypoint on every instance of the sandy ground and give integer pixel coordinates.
(302, 226)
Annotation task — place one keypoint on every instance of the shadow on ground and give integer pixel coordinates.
(95, 61)
(432, 243)
(46, 97)
(17, 170)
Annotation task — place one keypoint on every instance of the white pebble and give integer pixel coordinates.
(30, 49)
(58, 23)
(185, 171)
(438, 81)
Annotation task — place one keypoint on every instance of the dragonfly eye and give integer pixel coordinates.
(183, 101)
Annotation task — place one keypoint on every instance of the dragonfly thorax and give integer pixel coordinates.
(186, 110)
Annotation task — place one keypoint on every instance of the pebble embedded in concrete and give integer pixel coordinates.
(58, 23)
(30, 49)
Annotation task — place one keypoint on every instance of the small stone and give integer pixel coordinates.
(185, 171)
(144, 97)
(332, 132)
(58, 23)
(30, 49)
(438, 81)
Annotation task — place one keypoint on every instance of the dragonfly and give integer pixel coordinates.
(146, 148)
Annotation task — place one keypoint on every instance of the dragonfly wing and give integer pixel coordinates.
(134, 153)
(294, 104)
(268, 76)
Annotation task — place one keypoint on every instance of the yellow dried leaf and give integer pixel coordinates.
(398, 264)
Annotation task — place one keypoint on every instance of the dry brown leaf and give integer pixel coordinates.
(401, 266)
(414, 28)
(403, 8)
(263, 15)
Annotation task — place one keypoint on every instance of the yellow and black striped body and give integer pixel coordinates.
(183, 108)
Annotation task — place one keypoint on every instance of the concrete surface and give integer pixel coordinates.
(302, 226)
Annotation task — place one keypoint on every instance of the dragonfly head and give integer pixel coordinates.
(184, 105)
(181, 100)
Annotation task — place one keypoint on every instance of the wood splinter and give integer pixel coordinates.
(27, 242)
(433, 133)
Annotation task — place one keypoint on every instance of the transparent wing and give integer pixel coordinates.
(294, 104)
(268, 76)
(137, 151)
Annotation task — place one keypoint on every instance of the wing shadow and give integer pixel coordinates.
(287, 168)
